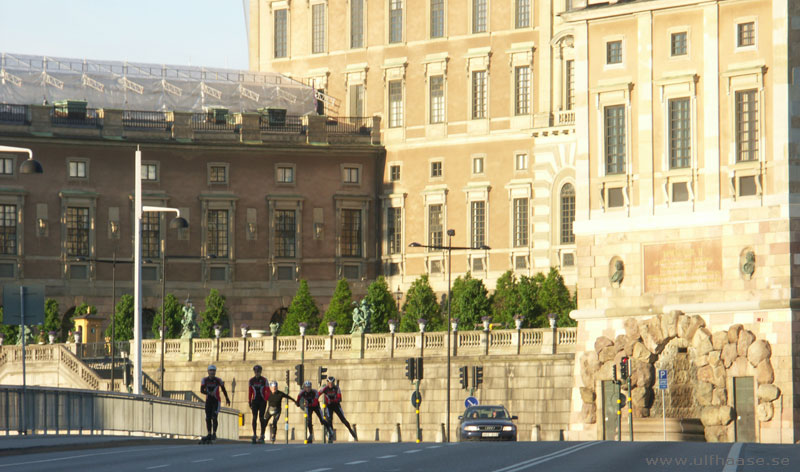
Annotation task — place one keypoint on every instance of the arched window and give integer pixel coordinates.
(567, 214)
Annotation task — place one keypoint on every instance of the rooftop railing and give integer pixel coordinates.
(89, 119)
(13, 114)
(134, 119)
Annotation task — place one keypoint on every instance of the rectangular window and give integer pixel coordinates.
(357, 24)
(285, 232)
(437, 18)
(614, 52)
(477, 165)
(394, 230)
(280, 32)
(351, 175)
(680, 127)
(570, 82)
(285, 175)
(478, 16)
(522, 90)
(478, 94)
(77, 232)
(521, 162)
(478, 223)
(520, 222)
(435, 225)
(395, 21)
(615, 139)
(150, 172)
(395, 103)
(436, 169)
(437, 98)
(746, 125)
(746, 34)
(523, 14)
(394, 173)
(678, 44)
(567, 214)
(218, 233)
(77, 169)
(151, 235)
(6, 166)
(8, 230)
(357, 100)
(351, 233)
(318, 28)
(218, 174)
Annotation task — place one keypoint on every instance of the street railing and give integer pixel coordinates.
(73, 411)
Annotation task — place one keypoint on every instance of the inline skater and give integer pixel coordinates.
(257, 399)
(210, 387)
(333, 399)
(274, 398)
(307, 398)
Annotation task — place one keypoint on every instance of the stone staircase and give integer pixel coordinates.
(49, 363)
(652, 429)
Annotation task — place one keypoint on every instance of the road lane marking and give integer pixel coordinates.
(273, 450)
(201, 460)
(433, 447)
(355, 462)
(320, 470)
(81, 456)
(242, 454)
(158, 466)
(412, 451)
(387, 457)
(547, 457)
(733, 458)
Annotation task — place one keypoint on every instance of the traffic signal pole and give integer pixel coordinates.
(630, 408)
(419, 431)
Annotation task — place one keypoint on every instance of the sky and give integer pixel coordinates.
(207, 33)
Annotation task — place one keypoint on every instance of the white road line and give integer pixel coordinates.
(273, 450)
(548, 457)
(433, 447)
(201, 460)
(412, 451)
(80, 456)
(158, 466)
(733, 457)
(355, 462)
(320, 470)
(242, 454)
(387, 457)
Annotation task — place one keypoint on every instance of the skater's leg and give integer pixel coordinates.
(338, 410)
(262, 411)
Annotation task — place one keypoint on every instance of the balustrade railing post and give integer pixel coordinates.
(516, 339)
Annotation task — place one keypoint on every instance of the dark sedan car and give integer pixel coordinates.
(487, 422)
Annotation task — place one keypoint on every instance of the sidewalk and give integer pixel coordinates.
(11, 445)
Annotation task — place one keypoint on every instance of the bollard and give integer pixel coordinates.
(377, 435)
(536, 433)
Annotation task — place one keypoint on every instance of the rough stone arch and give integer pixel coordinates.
(714, 358)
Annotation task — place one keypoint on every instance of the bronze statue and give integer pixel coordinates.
(619, 273)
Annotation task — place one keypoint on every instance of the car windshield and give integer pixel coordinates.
(486, 412)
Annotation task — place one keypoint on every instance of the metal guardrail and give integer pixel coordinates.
(79, 120)
(13, 114)
(349, 125)
(293, 124)
(134, 119)
(72, 411)
(204, 122)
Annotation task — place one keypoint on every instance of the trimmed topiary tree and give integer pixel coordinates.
(303, 309)
(470, 302)
(383, 305)
(173, 315)
(216, 314)
(123, 313)
(340, 310)
(421, 302)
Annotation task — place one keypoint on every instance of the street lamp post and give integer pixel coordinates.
(174, 224)
(114, 227)
(449, 248)
(178, 222)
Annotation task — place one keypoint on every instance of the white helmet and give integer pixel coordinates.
(273, 383)
(212, 367)
(307, 383)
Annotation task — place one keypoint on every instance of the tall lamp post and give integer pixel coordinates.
(449, 248)
(178, 222)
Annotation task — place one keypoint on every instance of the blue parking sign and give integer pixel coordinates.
(662, 379)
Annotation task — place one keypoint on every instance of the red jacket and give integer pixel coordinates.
(310, 397)
(333, 395)
(258, 389)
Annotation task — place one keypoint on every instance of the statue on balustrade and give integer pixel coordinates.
(189, 330)
(361, 315)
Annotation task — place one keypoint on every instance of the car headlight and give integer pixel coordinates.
(471, 428)
(508, 428)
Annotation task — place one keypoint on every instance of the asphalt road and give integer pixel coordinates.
(461, 457)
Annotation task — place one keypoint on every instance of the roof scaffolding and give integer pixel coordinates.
(28, 80)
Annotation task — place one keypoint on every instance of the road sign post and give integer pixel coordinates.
(662, 385)
(417, 399)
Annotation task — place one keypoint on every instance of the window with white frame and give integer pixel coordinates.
(522, 90)
(77, 231)
(520, 222)
(395, 21)
(477, 165)
(149, 172)
(394, 230)
(318, 28)
(521, 161)
(746, 34)
(436, 169)
(356, 24)
(678, 44)
(435, 225)
(8, 230)
(218, 174)
(285, 174)
(350, 245)
(522, 13)
(746, 123)
(437, 18)
(78, 169)
(614, 52)
(218, 238)
(567, 213)
(614, 139)
(436, 99)
(680, 127)
(394, 173)
(351, 175)
(479, 99)
(357, 100)
(285, 233)
(151, 235)
(479, 16)
(280, 33)
(477, 223)
(7, 166)
(395, 103)
(569, 81)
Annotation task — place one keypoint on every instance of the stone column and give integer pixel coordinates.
(112, 122)
(250, 127)
(357, 345)
(181, 125)
(316, 132)
(516, 339)
(40, 118)
(375, 133)
(549, 341)
(558, 85)
(329, 346)
(186, 349)
(485, 341)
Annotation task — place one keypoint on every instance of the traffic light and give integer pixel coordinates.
(411, 365)
(477, 376)
(624, 368)
(463, 377)
(321, 373)
(298, 374)
(614, 372)
(419, 369)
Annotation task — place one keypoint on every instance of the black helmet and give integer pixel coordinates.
(332, 379)
(256, 368)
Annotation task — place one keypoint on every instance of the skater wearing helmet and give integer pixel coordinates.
(307, 398)
(210, 387)
(257, 399)
(333, 399)
(274, 397)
